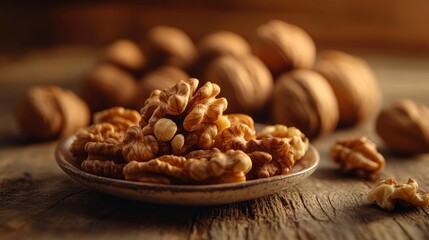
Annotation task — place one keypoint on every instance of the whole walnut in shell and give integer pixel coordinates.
(354, 85)
(404, 127)
(304, 99)
(245, 81)
(125, 54)
(108, 86)
(283, 46)
(49, 112)
(218, 44)
(160, 78)
(165, 45)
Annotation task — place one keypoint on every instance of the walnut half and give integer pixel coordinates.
(358, 155)
(389, 194)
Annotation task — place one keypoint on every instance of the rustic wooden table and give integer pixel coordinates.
(39, 201)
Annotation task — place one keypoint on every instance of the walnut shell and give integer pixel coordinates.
(218, 44)
(109, 86)
(49, 112)
(404, 127)
(245, 81)
(160, 78)
(125, 54)
(304, 99)
(283, 46)
(354, 85)
(165, 45)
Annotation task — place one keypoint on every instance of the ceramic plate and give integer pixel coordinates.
(186, 194)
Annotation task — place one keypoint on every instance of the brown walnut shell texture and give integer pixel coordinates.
(245, 81)
(219, 44)
(165, 45)
(304, 99)
(108, 86)
(404, 127)
(283, 47)
(49, 112)
(354, 84)
(125, 54)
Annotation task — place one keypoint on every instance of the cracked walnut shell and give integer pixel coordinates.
(404, 127)
(389, 194)
(359, 155)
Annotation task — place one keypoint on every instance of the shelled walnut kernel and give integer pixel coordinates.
(359, 155)
(389, 194)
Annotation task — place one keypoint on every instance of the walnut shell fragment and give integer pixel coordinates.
(389, 194)
(198, 167)
(359, 155)
(404, 127)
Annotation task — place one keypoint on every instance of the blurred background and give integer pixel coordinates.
(56, 42)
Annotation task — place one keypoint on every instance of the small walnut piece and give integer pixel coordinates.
(359, 155)
(389, 194)
(165, 129)
(404, 127)
(49, 112)
(304, 99)
(282, 47)
(245, 81)
(354, 84)
(119, 117)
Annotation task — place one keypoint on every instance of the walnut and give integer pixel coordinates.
(139, 147)
(180, 119)
(354, 84)
(219, 44)
(125, 54)
(303, 98)
(282, 47)
(119, 117)
(160, 78)
(237, 118)
(105, 168)
(389, 194)
(359, 155)
(108, 86)
(199, 167)
(109, 125)
(404, 127)
(245, 81)
(165, 45)
(299, 143)
(49, 112)
(270, 156)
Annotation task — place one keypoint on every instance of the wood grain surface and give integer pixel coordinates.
(39, 201)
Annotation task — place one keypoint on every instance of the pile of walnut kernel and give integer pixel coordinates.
(181, 136)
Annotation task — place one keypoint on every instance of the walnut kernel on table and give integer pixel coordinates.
(358, 155)
(389, 194)
(49, 112)
(404, 127)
